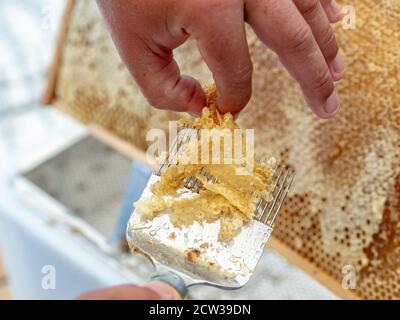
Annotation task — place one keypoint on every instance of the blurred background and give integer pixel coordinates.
(65, 197)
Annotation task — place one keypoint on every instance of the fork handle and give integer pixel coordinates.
(173, 280)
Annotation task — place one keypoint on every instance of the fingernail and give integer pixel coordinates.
(332, 103)
(338, 64)
(165, 291)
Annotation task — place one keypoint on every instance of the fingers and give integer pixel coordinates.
(316, 18)
(147, 52)
(152, 291)
(221, 39)
(159, 78)
(123, 292)
(298, 30)
(332, 10)
(279, 24)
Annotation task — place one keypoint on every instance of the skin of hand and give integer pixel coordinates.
(299, 31)
(150, 291)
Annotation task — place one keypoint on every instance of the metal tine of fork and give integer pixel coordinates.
(162, 165)
(193, 182)
(197, 183)
(276, 197)
(181, 140)
(282, 199)
(174, 150)
(260, 202)
(259, 205)
(160, 169)
(190, 183)
(266, 204)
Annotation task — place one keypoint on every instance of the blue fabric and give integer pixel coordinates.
(136, 183)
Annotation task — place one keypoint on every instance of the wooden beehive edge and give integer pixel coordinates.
(5, 292)
(2, 270)
(122, 146)
(125, 148)
(321, 276)
(49, 91)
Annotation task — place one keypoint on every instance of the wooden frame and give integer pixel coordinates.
(49, 92)
(2, 270)
(5, 293)
(49, 98)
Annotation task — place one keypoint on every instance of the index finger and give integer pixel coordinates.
(221, 39)
(121, 292)
(281, 26)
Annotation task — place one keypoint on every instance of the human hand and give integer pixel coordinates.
(151, 291)
(299, 31)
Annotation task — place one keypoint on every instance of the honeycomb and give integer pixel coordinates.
(344, 208)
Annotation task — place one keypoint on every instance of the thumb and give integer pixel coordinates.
(150, 291)
(165, 291)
